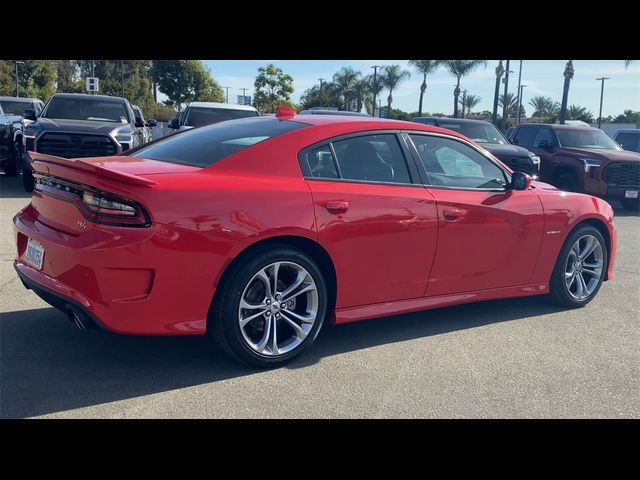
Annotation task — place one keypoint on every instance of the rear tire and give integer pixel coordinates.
(579, 272)
(632, 204)
(295, 313)
(567, 182)
(27, 176)
(15, 162)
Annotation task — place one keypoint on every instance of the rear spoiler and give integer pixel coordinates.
(39, 159)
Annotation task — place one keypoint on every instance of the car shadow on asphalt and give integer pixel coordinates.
(11, 187)
(47, 365)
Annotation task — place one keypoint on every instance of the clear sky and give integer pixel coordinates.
(542, 77)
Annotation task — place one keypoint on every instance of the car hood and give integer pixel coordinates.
(79, 126)
(611, 155)
(506, 150)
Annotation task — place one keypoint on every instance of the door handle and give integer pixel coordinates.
(337, 206)
(454, 214)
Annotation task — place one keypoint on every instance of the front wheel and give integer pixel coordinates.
(270, 307)
(15, 161)
(580, 268)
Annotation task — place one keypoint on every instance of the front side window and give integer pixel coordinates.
(450, 163)
(197, 116)
(544, 138)
(91, 109)
(374, 158)
(629, 141)
(524, 136)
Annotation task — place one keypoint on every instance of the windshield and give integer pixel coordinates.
(86, 109)
(478, 132)
(596, 139)
(15, 107)
(201, 115)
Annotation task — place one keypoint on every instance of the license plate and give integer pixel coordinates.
(631, 194)
(35, 254)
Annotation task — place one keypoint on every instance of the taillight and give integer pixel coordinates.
(96, 205)
(113, 209)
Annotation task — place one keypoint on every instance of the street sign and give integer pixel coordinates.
(92, 84)
(244, 99)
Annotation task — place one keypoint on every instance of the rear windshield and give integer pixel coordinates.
(207, 145)
(197, 116)
(86, 109)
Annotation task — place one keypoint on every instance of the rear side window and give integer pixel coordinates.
(524, 136)
(321, 163)
(197, 116)
(207, 145)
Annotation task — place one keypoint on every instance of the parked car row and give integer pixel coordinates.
(204, 113)
(573, 157)
(11, 128)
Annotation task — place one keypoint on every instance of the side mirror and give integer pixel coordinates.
(174, 123)
(152, 122)
(520, 181)
(30, 114)
(139, 123)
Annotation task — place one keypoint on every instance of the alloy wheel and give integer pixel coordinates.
(584, 267)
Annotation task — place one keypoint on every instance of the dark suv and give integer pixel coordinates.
(489, 137)
(75, 125)
(583, 159)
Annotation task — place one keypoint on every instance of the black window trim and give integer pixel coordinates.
(425, 175)
(404, 149)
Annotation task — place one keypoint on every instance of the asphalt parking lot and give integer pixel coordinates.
(508, 358)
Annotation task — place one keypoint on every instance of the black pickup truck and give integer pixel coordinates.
(75, 125)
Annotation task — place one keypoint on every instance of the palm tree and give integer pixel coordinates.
(576, 112)
(346, 80)
(470, 101)
(512, 103)
(460, 68)
(541, 106)
(374, 88)
(391, 77)
(362, 93)
(425, 67)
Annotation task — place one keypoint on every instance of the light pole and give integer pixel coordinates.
(601, 79)
(379, 106)
(505, 107)
(499, 73)
(375, 87)
(520, 92)
(227, 94)
(17, 84)
(519, 102)
(568, 75)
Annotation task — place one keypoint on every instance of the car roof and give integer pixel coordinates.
(557, 126)
(27, 99)
(453, 120)
(227, 106)
(85, 95)
(319, 111)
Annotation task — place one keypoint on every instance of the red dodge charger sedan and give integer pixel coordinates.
(258, 231)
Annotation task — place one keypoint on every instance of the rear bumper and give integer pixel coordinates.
(616, 192)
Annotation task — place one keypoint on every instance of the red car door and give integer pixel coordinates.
(489, 236)
(379, 227)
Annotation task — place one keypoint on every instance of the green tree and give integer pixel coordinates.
(374, 88)
(460, 68)
(629, 116)
(36, 78)
(541, 106)
(273, 87)
(576, 112)
(345, 81)
(362, 94)
(68, 79)
(425, 67)
(7, 78)
(470, 102)
(392, 76)
(512, 105)
(185, 81)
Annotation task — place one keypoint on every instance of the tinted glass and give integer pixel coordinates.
(425, 121)
(544, 137)
(86, 109)
(204, 146)
(450, 163)
(15, 107)
(478, 132)
(138, 113)
(524, 136)
(321, 162)
(202, 116)
(375, 158)
(629, 141)
(586, 138)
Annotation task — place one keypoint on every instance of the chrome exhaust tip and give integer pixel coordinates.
(77, 320)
